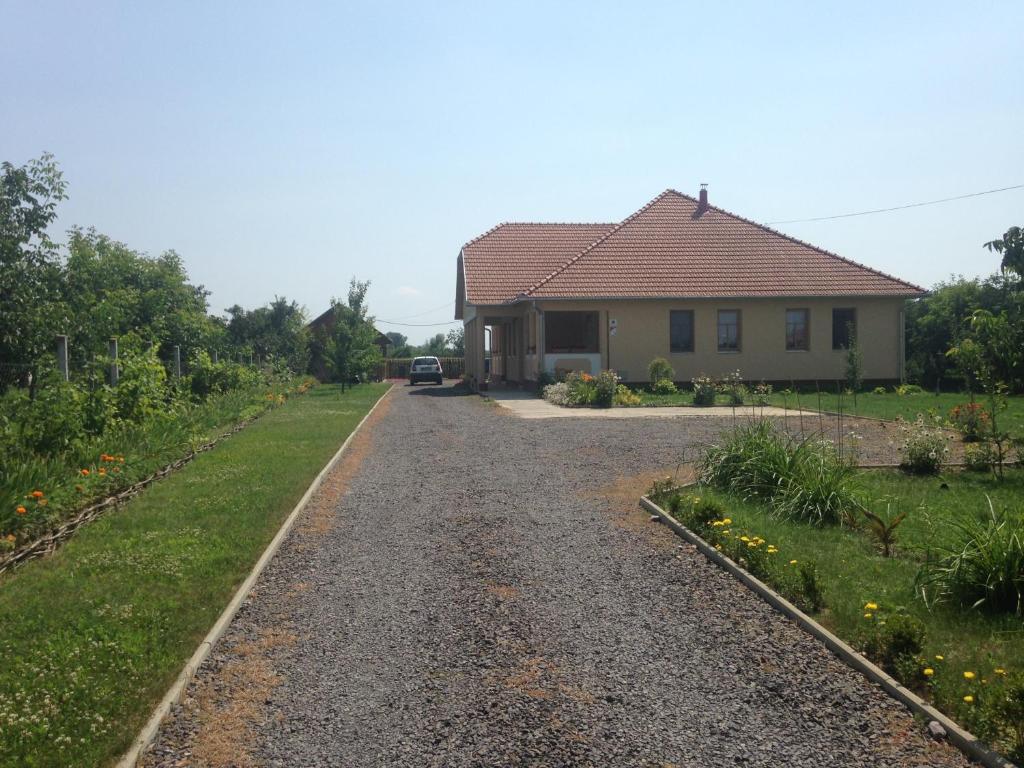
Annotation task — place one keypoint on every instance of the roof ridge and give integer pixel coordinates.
(594, 244)
(490, 231)
(813, 247)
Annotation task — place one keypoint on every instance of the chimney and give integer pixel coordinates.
(703, 206)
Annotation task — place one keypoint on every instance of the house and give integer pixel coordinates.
(709, 291)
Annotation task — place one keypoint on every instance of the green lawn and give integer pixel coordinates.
(887, 406)
(94, 635)
(854, 573)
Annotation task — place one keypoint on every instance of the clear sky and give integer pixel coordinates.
(284, 148)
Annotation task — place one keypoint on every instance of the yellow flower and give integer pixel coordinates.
(792, 562)
(772, 550)
(939, 657)
(871, 606)
(744, 538)
(968, 675)
(752, 544)
(999, 671)
(969, 699)
(867, 615)
(928, 671)
(727, 520)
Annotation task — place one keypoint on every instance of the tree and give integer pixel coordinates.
(274, 332)
(436, 345)
(399, 345)
(1011, 246)
(352, 352)
(30, 311)
(456, 341)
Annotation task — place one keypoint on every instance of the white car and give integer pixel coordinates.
(425, 369)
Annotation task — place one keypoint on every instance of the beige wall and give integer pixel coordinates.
(643, 333)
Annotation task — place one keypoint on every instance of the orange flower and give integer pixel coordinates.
(85, 473)
(37, 494)
(102, 471)
(20, 510)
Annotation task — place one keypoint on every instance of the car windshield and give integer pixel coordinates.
(424, 361)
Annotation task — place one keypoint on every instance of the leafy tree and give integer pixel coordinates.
(352, 352)
(30, 310)
(456, 341)
(112, 290)
(436, 345)
(399, 344)
(277, 331)
(1011, 246)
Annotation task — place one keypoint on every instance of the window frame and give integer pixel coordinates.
(837, 343)
(739, 332)
(693, 332)
(807, 329)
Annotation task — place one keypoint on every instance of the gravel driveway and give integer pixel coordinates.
(483, 591)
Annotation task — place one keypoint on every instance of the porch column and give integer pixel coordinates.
(478, 348)
(541, 342)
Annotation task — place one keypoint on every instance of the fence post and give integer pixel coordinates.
(250, 359)
(215, 357)
(177, 361)
(112, 352)
(62, 356)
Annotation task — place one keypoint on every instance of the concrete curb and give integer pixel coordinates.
(957, 736)
(146, 737)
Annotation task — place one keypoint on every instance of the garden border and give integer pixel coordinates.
(964, 740)
(48, 542)
(148, 734)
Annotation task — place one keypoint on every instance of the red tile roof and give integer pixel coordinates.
(504, 262)
(669, 248)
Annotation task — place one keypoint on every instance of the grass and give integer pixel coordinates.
(94, 635)
(887, 406)
(854, 573)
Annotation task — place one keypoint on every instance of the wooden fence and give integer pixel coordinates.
(398, 367)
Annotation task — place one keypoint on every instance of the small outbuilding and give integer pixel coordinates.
(706, 289)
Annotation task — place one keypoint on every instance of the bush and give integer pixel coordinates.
(733, 388)
(908, 389)
(805, 480)
(660, 370)
(924, 447)
(971, 420)
(762, 393)
(54, 421)
(544, 379)
(582, 388)
(878, 391)
(663, 387)
(605, 384)
(558, 394)
(704, 390)
(980, 457)
(141, 390)
(982, 566)
(895, 642)
(626, 397)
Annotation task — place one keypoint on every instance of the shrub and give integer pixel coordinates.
(54, 421)
(733, 388)
(626, 396)
(582, 388)
(878, 391)
(762, 393)
(544, 379)
(924, 447)
(971, 420)
(895, 641)
(805, 480)
(704, 390)
(605, 384)
(141, 389)
(982, 565)
(558, 394)
(980, 457)
(908, 389)
(660, 370)
(663, 387)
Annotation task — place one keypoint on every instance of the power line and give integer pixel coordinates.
(899, 207)
(428, 311)
(416, 325)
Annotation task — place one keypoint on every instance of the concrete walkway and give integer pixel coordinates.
(526, 405)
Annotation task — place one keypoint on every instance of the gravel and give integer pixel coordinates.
(483, 599)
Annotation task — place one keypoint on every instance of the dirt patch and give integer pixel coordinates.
(504, 591)
(229, 713)
(622, 499)
(319, 517)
